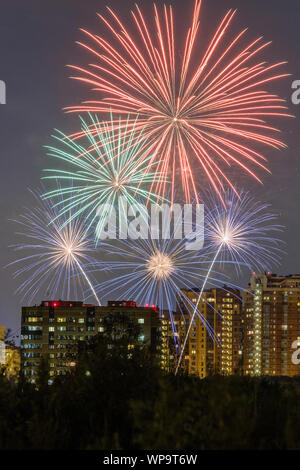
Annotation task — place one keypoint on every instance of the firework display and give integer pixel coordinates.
(57, 254)
(154, 272)
(150, 294)
(111, 167)
(244, 230)
(206, 109)
(165, 120)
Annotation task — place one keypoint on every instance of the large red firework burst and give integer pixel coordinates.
(211, 108)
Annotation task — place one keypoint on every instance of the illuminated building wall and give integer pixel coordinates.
(2, 345)
(171, 334)
(200, 349)
(271, 324)
(12, 361)
(228, 326)
(53, 329)
(222, 310)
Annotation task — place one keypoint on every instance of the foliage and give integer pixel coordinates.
(117, 398)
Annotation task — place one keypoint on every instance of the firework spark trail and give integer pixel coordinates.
(213, 112)
(110, 167)
(58, 253)
(196, 308)
(153, 285)
(155, 271)
(244, 230)
(86, 278)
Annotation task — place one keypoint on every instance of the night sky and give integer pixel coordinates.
(37, 40)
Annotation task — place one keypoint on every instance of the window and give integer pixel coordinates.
(33, 319)
(141, 320)
(71, 328)
(61, 319)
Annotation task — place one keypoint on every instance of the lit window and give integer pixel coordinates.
(141, 320)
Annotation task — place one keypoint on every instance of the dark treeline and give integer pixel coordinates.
(117, 398)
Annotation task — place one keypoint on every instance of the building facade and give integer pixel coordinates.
(53, 329)
(2, 344)
(12, 361)
(173, 332)
(271, 325)
(259, 337)
(214, 342)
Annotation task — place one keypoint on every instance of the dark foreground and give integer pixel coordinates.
(111, 401)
